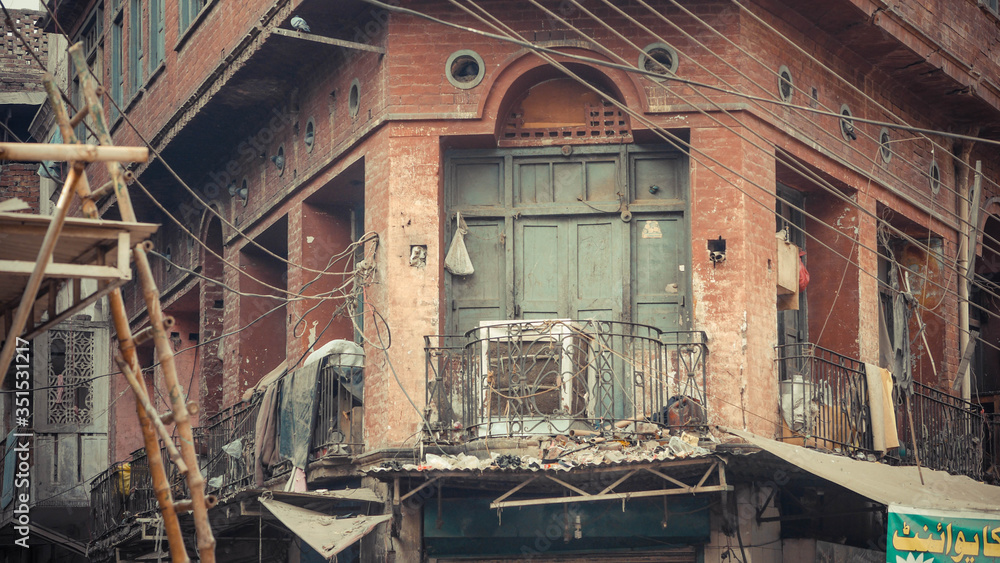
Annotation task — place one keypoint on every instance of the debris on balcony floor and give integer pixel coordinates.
(561, 453)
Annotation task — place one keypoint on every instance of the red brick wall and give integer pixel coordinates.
(20, 180)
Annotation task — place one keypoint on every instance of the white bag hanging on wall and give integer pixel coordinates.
(458, 261)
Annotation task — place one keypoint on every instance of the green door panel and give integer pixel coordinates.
(602, 180)
(539, 268)
(658, 270)
(478, 183)
(480, 297)
(596, 254)
(661, 172)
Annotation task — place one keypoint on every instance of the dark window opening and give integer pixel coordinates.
(464, 69)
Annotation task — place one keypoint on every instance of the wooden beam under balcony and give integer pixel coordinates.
(328, 40)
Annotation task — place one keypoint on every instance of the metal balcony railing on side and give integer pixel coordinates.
(109, 493)
(141, 498)
(991, 452)
(229, 436)
(823, 399)
(521, 378)
(339, 412)
(337, 431)
(950, 432)
(446, 379)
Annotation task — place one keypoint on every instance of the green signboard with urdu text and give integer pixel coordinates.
(924, 536)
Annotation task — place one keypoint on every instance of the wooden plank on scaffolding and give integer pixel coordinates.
(66, 271)
(82, 243)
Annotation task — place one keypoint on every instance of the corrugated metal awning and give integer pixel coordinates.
(328, 535)
(886, 484)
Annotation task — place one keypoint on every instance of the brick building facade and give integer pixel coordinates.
(621, 172)
(21, 94)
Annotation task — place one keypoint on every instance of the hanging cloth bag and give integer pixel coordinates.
(457, 261)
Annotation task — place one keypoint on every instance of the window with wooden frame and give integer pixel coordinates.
(157, 35)
(135, 51)
(189, 10)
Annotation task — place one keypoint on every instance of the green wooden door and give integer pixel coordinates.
(548, 240)
(659, 285)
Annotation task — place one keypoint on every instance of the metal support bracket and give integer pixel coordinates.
(671, 486)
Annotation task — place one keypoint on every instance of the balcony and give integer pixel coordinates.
(123, 493)
(824, 403)
(524, 378)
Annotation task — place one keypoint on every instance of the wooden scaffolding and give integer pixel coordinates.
(66, 250)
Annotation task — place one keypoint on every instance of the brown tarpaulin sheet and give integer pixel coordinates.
(328, 535)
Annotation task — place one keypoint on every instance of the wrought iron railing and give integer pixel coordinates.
(229, 436)
(109, 493)
(542, 377)
(950, 432)
(991, 452)
(121, 492)
(824, 403)
(823, 399)
(339, 412)
(225, 448)
(141, 497)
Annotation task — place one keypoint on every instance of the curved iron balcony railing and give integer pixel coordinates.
(522, 378)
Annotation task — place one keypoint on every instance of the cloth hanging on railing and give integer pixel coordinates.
(880, 406)
(297, 413)
(265, 430)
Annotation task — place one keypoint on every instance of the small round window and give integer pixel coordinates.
(847, 124)
(465, 69)
(935, 177)
(278, 159)
(785, 85)
(309, 137)
(658, 58)
(354, 98)
(240, 194)
(884, 148)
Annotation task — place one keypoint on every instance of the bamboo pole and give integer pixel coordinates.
(165, 355)
(126, 345)
(143, 397)
(100, 127)
(161, 488)
(34, 152)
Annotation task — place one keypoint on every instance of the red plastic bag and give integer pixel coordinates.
(803, 272)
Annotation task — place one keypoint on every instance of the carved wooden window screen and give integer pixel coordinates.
(69, 397)
(603, 123)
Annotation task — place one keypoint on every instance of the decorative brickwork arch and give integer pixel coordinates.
(212, 299)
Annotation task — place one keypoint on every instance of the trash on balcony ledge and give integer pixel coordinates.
(561, 454)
